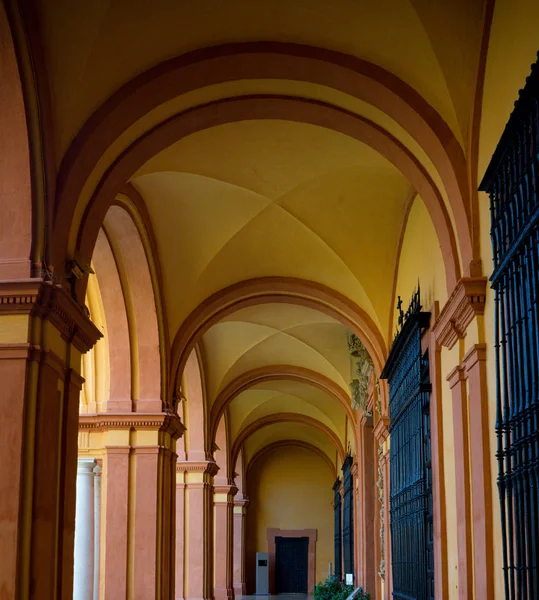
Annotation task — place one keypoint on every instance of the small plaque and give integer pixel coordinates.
(262, 563)
(349, 579)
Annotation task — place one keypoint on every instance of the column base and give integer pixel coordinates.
(240, 589)
(223, 594)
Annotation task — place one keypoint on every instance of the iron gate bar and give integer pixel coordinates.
(511, 182)
(410, 458)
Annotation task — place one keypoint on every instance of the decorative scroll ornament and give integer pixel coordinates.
(363, 370)
(380, 486)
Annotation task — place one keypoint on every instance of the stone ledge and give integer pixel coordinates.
(143, 421)
(466, 302)
(208, 467)
(50, 302)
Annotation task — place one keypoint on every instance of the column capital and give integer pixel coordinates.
(225, 490)
(86, 466)
(466, 302)
(163, 422)
(207, 467)
(52, 303)
(241, 503)
(456, 376)
(381, 429)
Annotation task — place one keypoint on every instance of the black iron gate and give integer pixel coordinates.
(511, 182)
(348, 516)
(407, 372)
(337, 508)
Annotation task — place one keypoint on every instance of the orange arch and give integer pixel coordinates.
(298, 444)
(268, 420)
(277, 373)
(137, 354)
(16, 210)
(272, 60)
(263, 290)
(271, 107)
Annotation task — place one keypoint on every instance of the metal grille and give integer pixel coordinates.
(410, 460)
(348, 516)
(511, 182)
(337, 506)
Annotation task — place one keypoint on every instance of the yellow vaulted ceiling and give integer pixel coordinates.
(268, 198)
(265, 198)
(91, 49)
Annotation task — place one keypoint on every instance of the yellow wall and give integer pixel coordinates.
(421, 259)
(289, 488)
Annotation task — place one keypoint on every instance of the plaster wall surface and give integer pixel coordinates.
(289, 488)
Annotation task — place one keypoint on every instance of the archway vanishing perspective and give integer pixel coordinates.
(213, 220)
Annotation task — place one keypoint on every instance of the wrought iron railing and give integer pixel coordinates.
(511, 182)
(410, 459)
(348, 516)
(337, 507)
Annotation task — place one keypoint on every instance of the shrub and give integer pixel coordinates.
(333, 589)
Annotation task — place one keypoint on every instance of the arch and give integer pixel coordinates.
(267, 60)
(298, 444)
(270, 107)
(194, 410)
(19, 238)
(137, 358)
(252, 428)
(273, 373)
(263, 290)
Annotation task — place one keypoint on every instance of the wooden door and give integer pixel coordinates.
(291, 565)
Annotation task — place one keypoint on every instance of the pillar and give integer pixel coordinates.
(139, 475)
(83, 572)
(116, 509)
(194, 550)
(240, 513)
(474, 363)
(43, 334)
(365, 476)
(223, 501)
(97, 528)
(457, 382)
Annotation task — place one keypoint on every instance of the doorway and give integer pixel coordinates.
(291, 565)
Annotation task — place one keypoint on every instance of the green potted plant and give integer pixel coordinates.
(333, 589)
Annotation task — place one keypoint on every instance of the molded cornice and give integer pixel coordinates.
(381, 431)
(52, 303)
(207, 467)
(163, 422)
(466, 302)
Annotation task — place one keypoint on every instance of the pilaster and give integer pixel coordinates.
(223, 501)
(240, 515)
(194, 529)
(43, 333)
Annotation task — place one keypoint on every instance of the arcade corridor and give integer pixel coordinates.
(269, 282)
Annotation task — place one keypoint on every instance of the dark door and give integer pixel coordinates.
(291, 564)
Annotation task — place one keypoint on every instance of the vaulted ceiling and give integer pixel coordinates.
(272, 191)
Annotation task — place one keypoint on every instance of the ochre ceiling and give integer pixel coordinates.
(269, 198)
(91, 49)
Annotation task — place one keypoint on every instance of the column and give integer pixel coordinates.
(83, 572)
(483, 545)
(196, 481)
(223, 501)
(240, 513)
(97, 528)
(43, 334)
(457, 382)
(116, 470)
